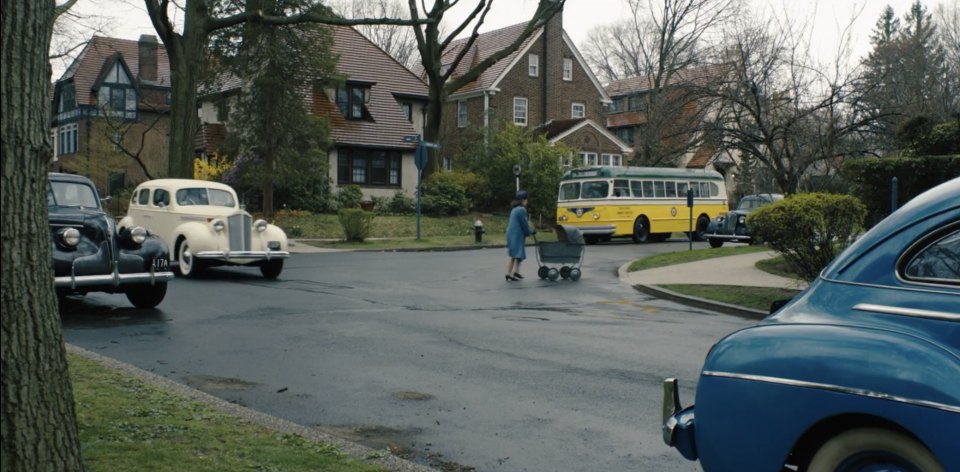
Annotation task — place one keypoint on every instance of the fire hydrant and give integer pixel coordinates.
(478, 231)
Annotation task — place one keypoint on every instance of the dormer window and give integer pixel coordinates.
(117, 96)
(352, 100)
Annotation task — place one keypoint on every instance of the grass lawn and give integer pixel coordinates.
(680, 257)
(127, 425)
(758, 298)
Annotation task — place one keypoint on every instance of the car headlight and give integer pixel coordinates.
(138, 234)
(219, 225)
(70, 237)
(261, 225)
(742, 220)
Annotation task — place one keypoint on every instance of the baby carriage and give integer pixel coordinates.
(567, 252)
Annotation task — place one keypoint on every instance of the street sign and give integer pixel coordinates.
(420, 157)
(431, 145)
(516, 170)
(411, 138)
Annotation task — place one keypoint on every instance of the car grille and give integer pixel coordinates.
(240, 227)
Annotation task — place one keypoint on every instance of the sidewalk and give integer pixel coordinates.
(737, 271)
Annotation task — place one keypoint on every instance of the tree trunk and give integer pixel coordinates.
(37, 417)
(186, 53)
(431, 132)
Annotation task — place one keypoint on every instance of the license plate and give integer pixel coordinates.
(161, 265)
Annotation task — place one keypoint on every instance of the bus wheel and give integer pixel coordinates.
(700, 230)
(641, 230)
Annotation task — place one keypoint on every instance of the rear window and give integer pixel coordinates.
(939, 262)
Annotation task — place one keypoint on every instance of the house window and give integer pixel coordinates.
(67, 139)
(352, 99)
(568, 69)
(461, 114)
(615, 160)
(578, 110)
(407, 110)
(588, 158)
(566, 161)
(368, 167)
(68, 98)
(520, 111)
(626, 134)
(534, 62)
(116, 96)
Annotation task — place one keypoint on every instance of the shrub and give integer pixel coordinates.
(871, 179)
(401, 204)
(809, 228)
(350, 196)
(475, 187)
(356, 223)
(443, 198)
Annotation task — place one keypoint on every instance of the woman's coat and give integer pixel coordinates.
(518, 228)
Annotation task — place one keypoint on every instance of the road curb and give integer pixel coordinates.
(357, 451)
(726, 308)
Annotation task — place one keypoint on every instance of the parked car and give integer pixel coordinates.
(859, 372)
(204, 226)
(732, 227)
(90, 253)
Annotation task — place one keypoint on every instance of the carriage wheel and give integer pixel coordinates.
(575, 274)
(553, 274)
(542, 272)
(565, 272)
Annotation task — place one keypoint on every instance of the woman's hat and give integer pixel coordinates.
(521, 195)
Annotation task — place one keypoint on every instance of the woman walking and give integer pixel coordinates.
(518, 228)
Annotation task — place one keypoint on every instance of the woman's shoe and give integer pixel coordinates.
(511, 278)
(517, 276)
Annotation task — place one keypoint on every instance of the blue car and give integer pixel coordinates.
(859, 372)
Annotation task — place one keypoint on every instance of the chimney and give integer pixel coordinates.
(148, 57)
(553, 70)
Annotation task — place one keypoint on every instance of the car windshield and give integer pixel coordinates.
(71, 194)
(205, 196)
(751, 203)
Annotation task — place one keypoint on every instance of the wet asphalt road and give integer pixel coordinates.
(432, 355)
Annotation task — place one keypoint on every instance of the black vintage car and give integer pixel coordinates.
(732, 227)
(90, 255)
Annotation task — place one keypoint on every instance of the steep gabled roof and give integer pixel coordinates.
(701, 75)
(362, 61)
(485, 46)
(88, 66)
(558, 129)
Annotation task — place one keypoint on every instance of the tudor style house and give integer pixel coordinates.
(545, 86)
(680, 117)
(379, 104)
(111, 102)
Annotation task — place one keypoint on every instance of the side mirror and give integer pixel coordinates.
(106, 199)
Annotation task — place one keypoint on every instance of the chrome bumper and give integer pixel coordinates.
(678, 422)
(227, 255)
(728, 237)
(114, 279)
(605, 230)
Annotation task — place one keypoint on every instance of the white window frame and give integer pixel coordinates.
(533, 65)
(520, 111)
(589, 158)
(613, 160)
(461, 113)
(567, 69)
(68, 140)
(582, 110)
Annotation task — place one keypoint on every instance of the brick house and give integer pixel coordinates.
(379, 103)
(627, 116)
(545, 86)
(115, 92)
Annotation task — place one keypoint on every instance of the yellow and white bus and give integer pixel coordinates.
(645, 203)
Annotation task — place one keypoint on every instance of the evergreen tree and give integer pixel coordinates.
(270, 128)
(905, 74)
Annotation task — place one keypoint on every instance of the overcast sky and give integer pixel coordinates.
(580, 16)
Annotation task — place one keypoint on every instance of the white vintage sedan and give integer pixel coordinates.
(204, 226)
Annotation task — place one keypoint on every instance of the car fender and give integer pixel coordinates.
(825, 355)
(273, 233)
(200, 235)
(763, 387)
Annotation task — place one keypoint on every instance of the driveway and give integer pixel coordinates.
(431, 355)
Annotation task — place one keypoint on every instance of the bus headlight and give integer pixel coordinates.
(563, 217)
(596, 216)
